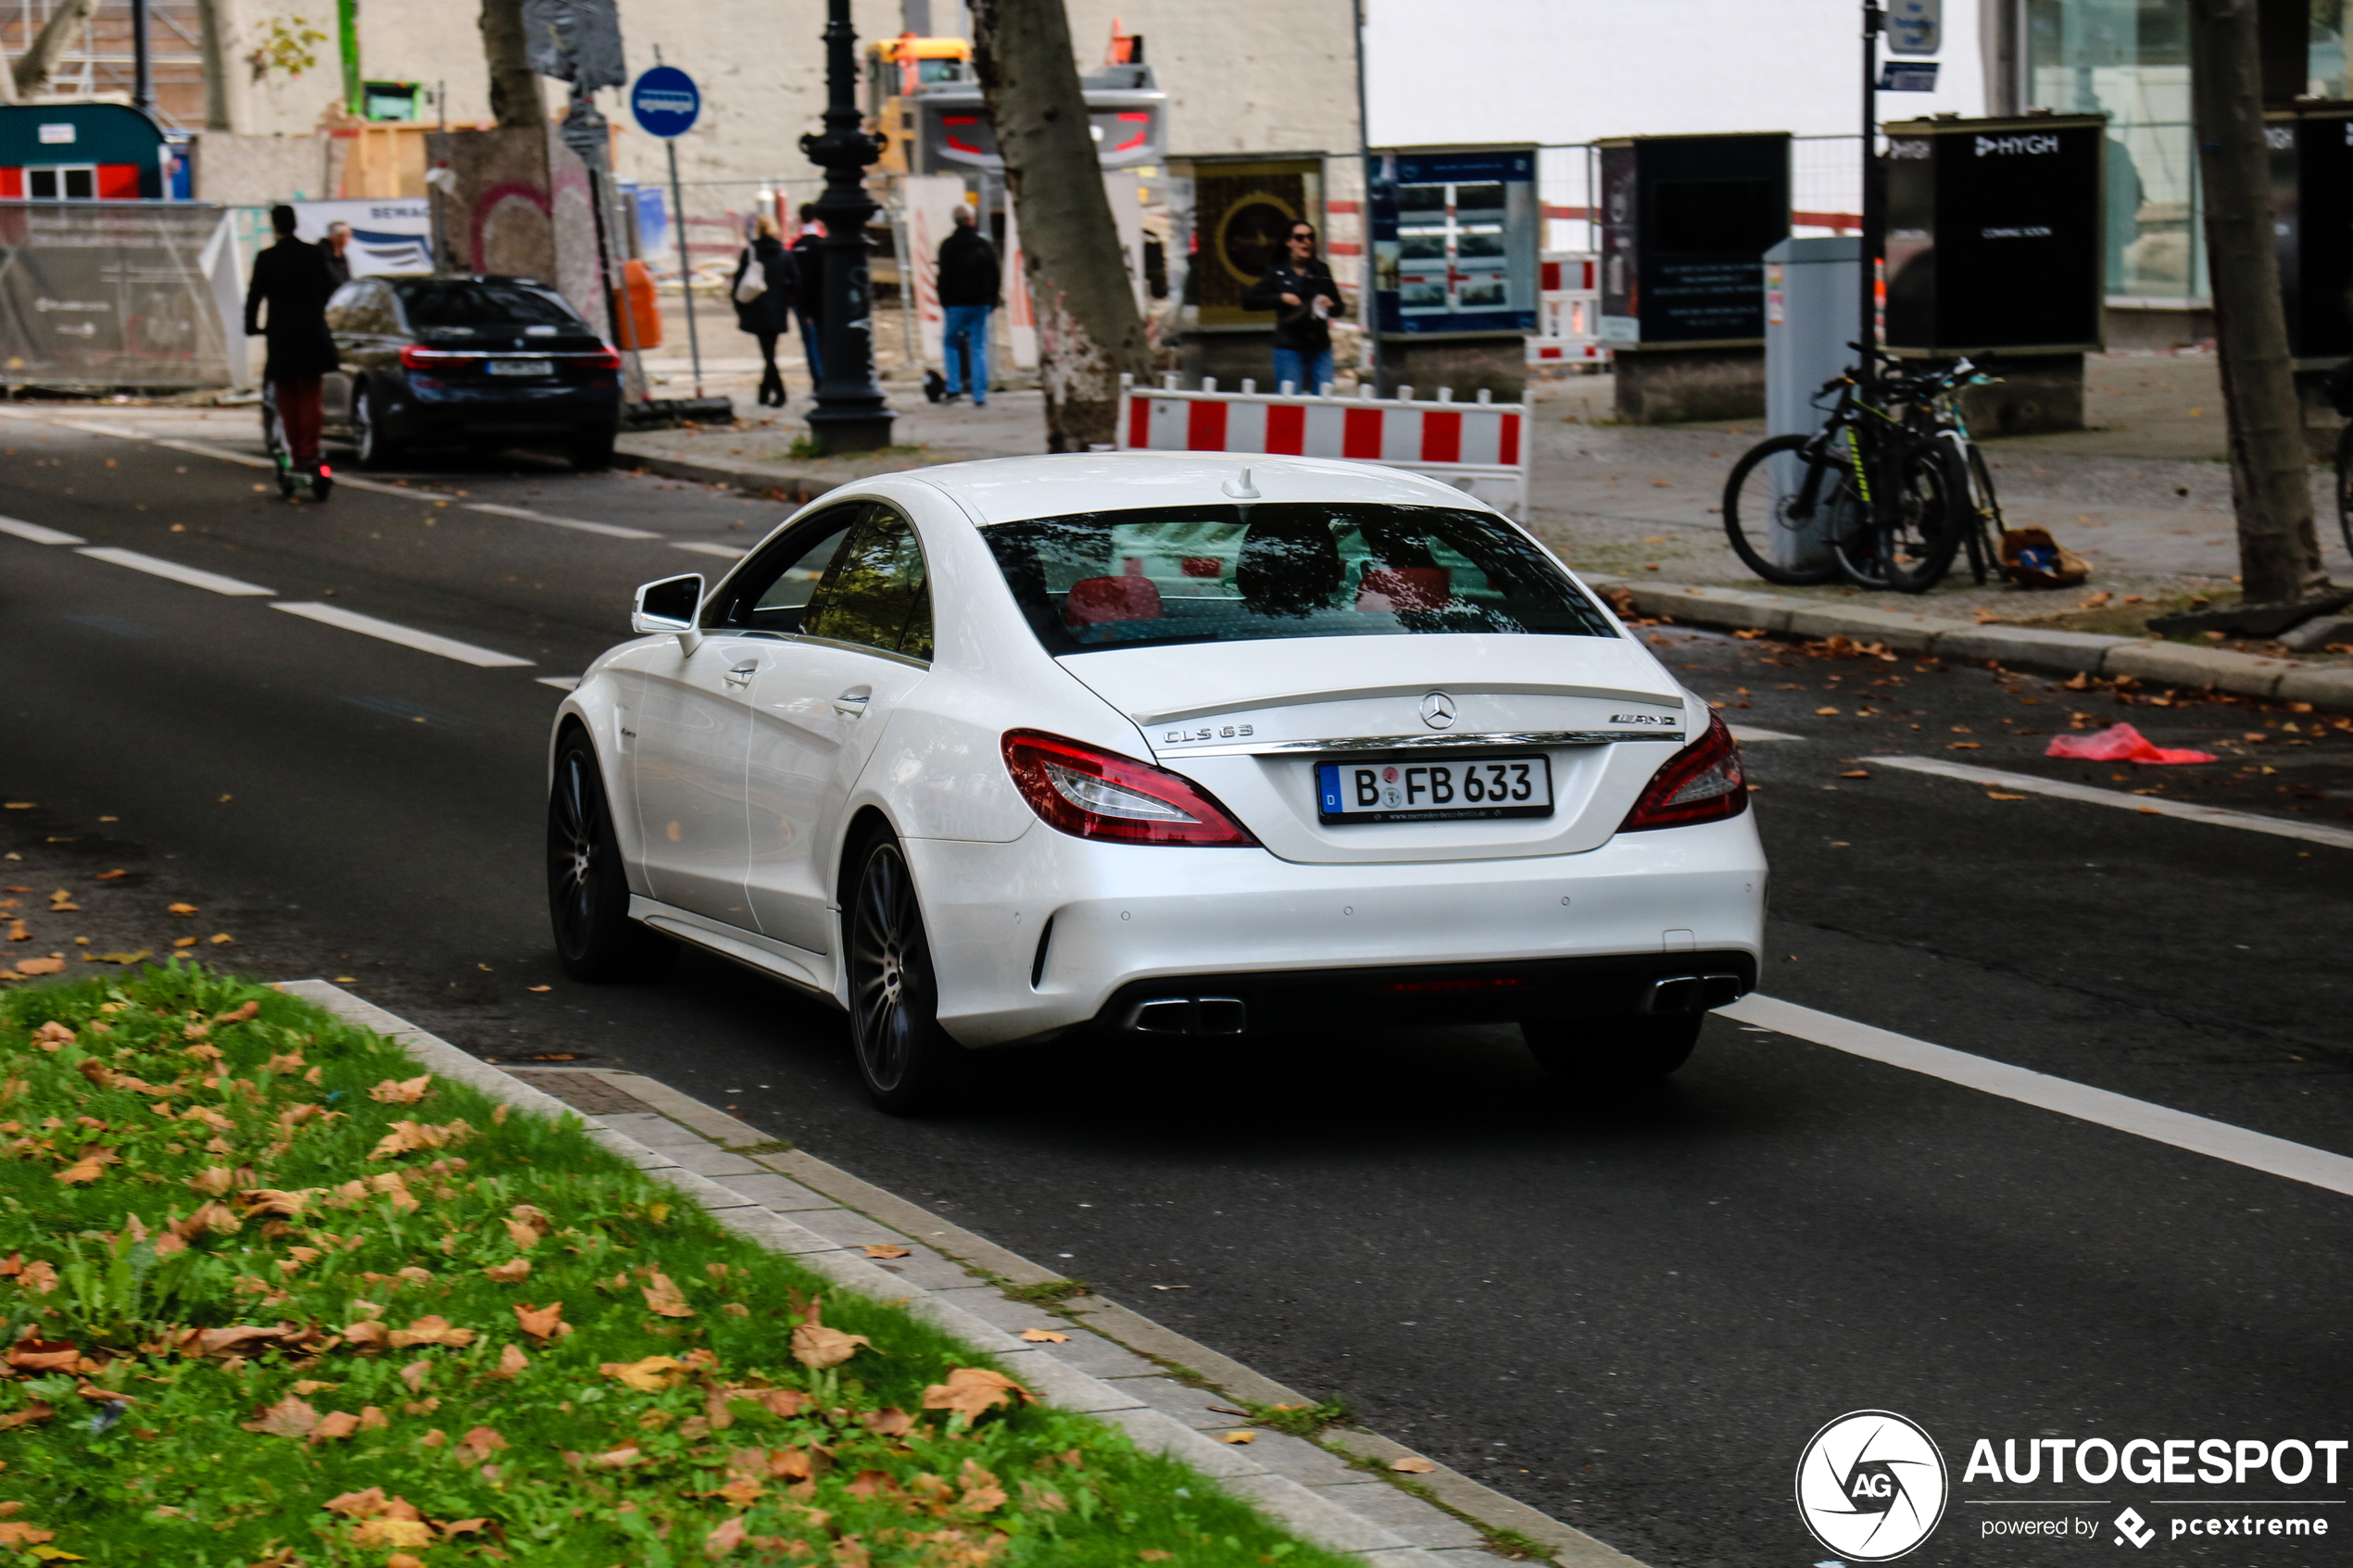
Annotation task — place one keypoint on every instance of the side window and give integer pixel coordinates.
(875, 593)
(344, 308)
(772, 592)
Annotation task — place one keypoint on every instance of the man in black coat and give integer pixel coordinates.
(970, 287)
(1300, 290)
(810, 303)
(768, 314)
(292, 279)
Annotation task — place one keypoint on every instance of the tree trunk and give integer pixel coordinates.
(32, 68)
(1089, 331)
(2270, 486)
(514, 86)
(213, 43)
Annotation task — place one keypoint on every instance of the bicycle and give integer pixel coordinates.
(1816, 514)
(1970, 481)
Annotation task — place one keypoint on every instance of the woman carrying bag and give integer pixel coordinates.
(765, 282)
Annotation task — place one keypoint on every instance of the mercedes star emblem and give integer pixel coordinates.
(1438, 711)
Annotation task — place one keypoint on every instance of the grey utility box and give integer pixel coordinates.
(1812, 311)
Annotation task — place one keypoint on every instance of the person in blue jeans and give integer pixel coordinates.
(970, 285)
(1300, 290)
(809, 261)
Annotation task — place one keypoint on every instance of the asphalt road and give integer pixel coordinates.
(1630, 1310)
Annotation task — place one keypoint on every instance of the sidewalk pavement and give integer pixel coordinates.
(1168, 1392)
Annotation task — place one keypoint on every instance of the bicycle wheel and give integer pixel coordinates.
(2345, 485)
(1774, 531)
(1907, 545)
(1983, 531)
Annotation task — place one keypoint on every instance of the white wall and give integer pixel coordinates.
(1574, 71)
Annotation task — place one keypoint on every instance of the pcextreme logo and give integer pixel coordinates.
(1872, 1486)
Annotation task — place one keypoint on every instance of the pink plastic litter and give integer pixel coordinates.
(2121, 744)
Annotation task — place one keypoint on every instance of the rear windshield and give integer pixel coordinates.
(472, 302)
(1242, 573)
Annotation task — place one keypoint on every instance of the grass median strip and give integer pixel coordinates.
(274, 1297)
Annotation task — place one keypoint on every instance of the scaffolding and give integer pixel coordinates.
(100, 65)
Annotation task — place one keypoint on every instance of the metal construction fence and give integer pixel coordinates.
(1825, 190)
(129, 294)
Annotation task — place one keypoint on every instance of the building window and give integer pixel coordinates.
(72, 182)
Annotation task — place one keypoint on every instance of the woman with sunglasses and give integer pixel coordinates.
(1300, 290)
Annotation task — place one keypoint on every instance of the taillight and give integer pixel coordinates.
(1699, 784)
(1093, 793)
(603, 360)
(417, 357)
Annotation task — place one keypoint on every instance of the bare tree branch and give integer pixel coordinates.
(32, 68)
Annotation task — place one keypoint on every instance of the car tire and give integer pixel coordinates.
(372, 443)
(1617, 1050)
(592, 454)
(906, 1059)
(587, 885)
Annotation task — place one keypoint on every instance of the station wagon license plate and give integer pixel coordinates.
(522, 368)
(1400, 791)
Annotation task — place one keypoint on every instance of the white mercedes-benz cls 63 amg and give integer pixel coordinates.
(1159, 745)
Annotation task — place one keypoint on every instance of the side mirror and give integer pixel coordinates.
(670, 606)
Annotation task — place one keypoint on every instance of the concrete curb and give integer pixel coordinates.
(826, 1218)
(2328, 687)
(796, 483)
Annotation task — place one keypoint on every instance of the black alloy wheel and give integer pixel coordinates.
(374, 446)
(592, 454)
(587, 885)
(907, 1060)
(1614, 1050)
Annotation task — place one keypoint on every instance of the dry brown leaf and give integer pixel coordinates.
(885, 1249)
(32, 1412)
(290, 1417)
(414, 1375)
(1997, 794)
(52, 1035)
(80, 1170)
(50, 965)
(1044, 1336)
(975, 1391)
(385, 1531)
(213, 1180)
(511, 1361)
(431, 1330)
(724, 1537)
(183, 908)
(816, 1347)
(663, 1296)
(612, 1459)
(403, 1091)
(1240, 1438)
(511, 1272)
(15, 1532)
(334, 1425)
(891, 1422)
(1412, 1465)
(542, 1323)
(649, 1375)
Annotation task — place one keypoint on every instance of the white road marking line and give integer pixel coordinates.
(98, 430)
(424, 642)
(611, 530)
(2220, 816)
(1743, 734)
(703, 547)
(39, 535)
(561, 682)
(2256, 1151)
(174, 570)
(352, 482)
(201, 450)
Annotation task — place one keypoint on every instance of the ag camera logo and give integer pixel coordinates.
(1872, 1486)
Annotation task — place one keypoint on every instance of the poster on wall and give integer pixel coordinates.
(1456, 240)
(1241, 213)
(390, 234)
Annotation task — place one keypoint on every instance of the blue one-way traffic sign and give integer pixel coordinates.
(665, 101)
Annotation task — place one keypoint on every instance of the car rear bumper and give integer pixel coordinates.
(437, 412)
(1310, 945)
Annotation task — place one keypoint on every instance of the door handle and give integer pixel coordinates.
(851, 704)
(741, 674)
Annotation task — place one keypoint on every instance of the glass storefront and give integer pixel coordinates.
(2128, 59)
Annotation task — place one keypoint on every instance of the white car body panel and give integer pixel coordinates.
(679, 744)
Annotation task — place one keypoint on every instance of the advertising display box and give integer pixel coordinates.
(1996, 250)
(1242, 209)
(1686, 222)
(1457, 245)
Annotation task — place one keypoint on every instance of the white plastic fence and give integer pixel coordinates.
(1568, 318)
(1479, 447)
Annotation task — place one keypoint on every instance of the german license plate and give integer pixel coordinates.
(523, 368)
(1397, 791)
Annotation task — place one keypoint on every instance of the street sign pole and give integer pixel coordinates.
(1874, 204)
(686, 280)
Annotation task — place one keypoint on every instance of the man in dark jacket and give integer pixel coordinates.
(1300, 290)
(809, 304)
(768, 314)
(970, 286)
(292, 279)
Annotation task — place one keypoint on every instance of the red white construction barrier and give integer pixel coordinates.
(1481, 447)
(1568, 314)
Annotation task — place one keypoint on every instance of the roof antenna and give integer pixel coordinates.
(1240, 489)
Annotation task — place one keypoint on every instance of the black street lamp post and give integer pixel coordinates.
(851, 414)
